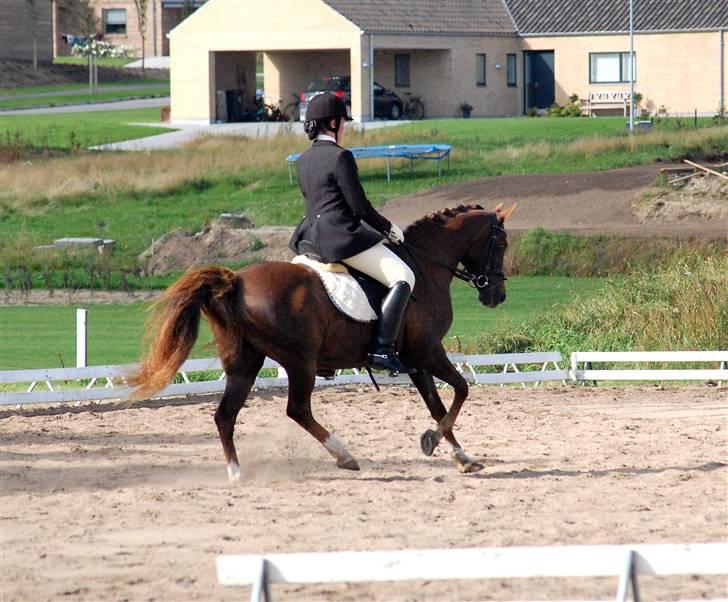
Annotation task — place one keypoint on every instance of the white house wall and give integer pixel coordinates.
(222, 25)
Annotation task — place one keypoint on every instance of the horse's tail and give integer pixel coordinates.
(176, 323)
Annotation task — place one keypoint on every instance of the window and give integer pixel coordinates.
(114, 20)
(402, 70)
(511, 69)
(609, 67)
(480, 70)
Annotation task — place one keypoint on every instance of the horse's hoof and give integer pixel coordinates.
(429, 441)
(233, 471)
(469, 467)
(348, 464)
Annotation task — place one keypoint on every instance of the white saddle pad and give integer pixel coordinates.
(343, 289)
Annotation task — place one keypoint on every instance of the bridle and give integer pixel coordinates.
(479, 280)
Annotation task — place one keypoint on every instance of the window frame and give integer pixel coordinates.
(623, 79)
(481, 77)
(104, 15)
(399, 61)
(511, 83)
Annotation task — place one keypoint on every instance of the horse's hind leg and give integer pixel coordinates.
(300, 385)
(241, 376)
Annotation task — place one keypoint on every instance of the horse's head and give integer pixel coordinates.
(483, 259)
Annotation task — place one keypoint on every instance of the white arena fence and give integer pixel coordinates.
(623, 561)
(58, 385)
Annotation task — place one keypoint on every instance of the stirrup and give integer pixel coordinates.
(389, 362)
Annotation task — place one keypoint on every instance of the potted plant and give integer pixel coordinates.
(466, 109)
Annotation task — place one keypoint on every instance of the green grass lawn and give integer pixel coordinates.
(44, 336)
(134, 216)
(75, 99)
(77, 87)
(71, 130)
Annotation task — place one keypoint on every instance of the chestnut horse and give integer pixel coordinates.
(282, 311)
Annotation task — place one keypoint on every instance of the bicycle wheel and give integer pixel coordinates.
(415, 110)
(291, 111)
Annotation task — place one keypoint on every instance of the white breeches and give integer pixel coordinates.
(382, 265)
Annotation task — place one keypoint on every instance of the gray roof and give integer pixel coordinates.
(591, 16)
(428, 16)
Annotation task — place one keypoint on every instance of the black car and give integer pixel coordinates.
(386, 103)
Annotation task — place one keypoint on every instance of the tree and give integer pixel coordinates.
(33, 10)
(85, 19)
(141, 10)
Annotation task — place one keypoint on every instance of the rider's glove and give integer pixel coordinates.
(395, 234)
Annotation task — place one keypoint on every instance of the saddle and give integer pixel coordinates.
(356, 295)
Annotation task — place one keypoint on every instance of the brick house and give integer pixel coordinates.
(16, 30)
(118, 22)
(500, 56)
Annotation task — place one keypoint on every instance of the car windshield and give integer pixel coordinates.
(330, 84)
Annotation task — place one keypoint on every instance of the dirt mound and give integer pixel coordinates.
(702, 197)
(221, 242)
(19, 74)
(600, 202)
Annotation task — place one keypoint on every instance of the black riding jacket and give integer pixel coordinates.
(336, 205)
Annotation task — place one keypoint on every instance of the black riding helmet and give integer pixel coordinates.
(326, 106)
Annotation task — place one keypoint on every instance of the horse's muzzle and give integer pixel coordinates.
(491, 297)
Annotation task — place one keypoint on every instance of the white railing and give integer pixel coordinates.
(109, 382)
(625, 561)
(586, 373)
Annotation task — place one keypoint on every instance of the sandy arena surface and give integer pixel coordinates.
(104, 504)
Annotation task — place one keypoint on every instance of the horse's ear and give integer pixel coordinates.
(503, 214)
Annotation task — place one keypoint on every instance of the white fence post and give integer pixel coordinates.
(81, 338)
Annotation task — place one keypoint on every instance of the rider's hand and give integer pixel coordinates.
(395, 234)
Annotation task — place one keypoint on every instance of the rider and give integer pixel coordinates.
(337, 215)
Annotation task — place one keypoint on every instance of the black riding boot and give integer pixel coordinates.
(385, 356)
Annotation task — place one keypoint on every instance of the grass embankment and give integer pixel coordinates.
(58, 88)
(66, 132)
(135, 198)
(681, 306)
(44, 336)
(59, 100)
(101, 62)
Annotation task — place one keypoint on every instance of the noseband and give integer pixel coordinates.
(479, 280)
(489, 276)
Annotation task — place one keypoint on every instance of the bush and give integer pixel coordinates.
(542, 253)
(679, 307)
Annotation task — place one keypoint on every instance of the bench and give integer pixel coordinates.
(606, 99)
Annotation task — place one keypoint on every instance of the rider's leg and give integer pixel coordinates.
(383, 265)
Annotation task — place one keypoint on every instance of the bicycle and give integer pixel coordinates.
(266, 112)
(293, 109)
(413, 108)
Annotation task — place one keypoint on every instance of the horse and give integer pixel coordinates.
(282, 311)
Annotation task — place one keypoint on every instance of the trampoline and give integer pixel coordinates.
(413, 152)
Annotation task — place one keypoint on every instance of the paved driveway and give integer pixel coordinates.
(186, 132)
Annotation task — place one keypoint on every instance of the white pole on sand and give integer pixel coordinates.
(81, 338)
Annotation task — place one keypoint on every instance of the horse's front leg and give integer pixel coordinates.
(430, 439)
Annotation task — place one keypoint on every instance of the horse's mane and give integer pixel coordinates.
(440, 217)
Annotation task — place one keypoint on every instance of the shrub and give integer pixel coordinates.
(681, 306)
